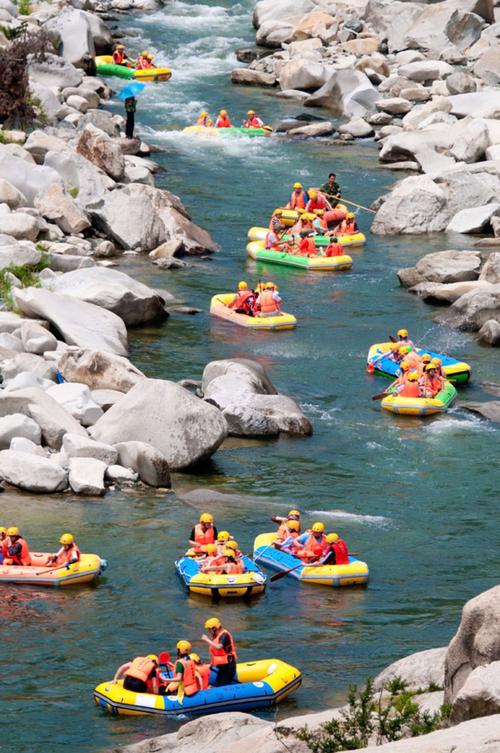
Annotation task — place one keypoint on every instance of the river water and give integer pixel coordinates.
(416, 499)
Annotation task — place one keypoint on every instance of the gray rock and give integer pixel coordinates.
(71, 32)
(472, 143)
(101, 119)
(32, 473)
(97, 147)
(480, 694)
(77, 400)
(54, 72)
(392, 20)
(146, 461)
(418, 670)
(100, 370)
(323, 128)
(491, 269)
(78, 446)
(439, 294)
(346, 92)
(18, 425)
(10, 195)
(441, 23)
(68, 262)
(86, 476)
(117, 474)
(489, 410)
(409, 207)
(425, 70)
(449, 266)
(460, 83)
(473, 309)
(490, 332)
(106, 398)
(79, 323)
(472, 220)
(250, 77)
(477, 104)
(357, 127)
(28, 178)
(302, 73)
(487, 67)
(394, 105)
(185, 429)
(101, 34)
(58, 206)
(409, 277)
(28, 362)
(39, 143)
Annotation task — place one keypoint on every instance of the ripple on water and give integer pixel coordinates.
(456, 423)
(379, 521)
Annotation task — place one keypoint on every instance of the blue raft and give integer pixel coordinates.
(250, 583)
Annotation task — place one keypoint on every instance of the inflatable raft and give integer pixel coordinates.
(260, 684)
(236, 131)
(256, 250)
(289, 217)
(354, 574)
(420, 406)
(455, 371)
(38, 574)
(106, 67)
(356, 239)
(219, 308)
(251, 583)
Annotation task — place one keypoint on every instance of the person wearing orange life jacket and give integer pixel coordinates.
(184, 671)
(290, 542)
(403, 371)
(403, 337)
(314, 544)
(424, 360)
(223, 120)
(299, 198)
(273, 237)
(348, 226)
(317, 201)
(120, 56)
(431, 382)
(305, 222)
(411, 355)
(268, 301)
(244, 300)
(253, 120)
(140, 674)
(67, 554)
(204, 532)
(284, 530)
(18, 552)
(222, 652)
(204, 120)
(439, 367)
(202, 670)
(233, 564)
(222, 538)
(306, 246)
(149, 61)
(4, 543)
(338, 553)
(142, 61)
(411, 387)
(334, 248)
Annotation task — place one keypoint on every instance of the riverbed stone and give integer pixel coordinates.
(96, 146)
(18, 425)
(449, 266)
(57, 206)
(78, 446)
(86, 476)
(19, 225)
(420, 670)
(31, 472)
(394, 105)
(479, 695)
(100, 370)
(117, 474)
(36, 339)
(77, 400)
(251, 77)
(148, 463)
(473, 220)
(473, 309)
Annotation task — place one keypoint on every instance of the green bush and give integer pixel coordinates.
(24, 7)
(27, 274)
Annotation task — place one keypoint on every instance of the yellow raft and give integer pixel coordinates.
(260, 684)
(38, 574)
(258, 251)
(218, 585)
(106, 67)
(219, 308)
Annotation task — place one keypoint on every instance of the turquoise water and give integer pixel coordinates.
(416, 499)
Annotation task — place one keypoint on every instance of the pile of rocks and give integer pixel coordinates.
(469, 281)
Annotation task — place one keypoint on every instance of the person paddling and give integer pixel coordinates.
(18, 553)
(67, 554)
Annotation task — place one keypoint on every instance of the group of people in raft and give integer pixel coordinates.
(317, 216)
(264, 300)
(143, 62)
(420, 375)
(223, 121)
(14, 550)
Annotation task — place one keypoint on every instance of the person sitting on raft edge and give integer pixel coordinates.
(120, 56)
(253, 120)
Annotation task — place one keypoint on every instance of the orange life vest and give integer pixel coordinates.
(315, 204)
(433, 384)
(267, 302)
(334, 249)
(298, 200)
(189, 679)
(140, 668)
(307, 247)
(202, 537)
(118, 57)
(254, 122)
(23, 558)
(234, 568)
(203, 672)
(314, 548)
(410, 389)
(67, 555)
(4, 546)
(241, 300)
(220, 655)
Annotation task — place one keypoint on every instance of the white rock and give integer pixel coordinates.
(54, 72)
(86, 476)
(30, 363)
(472, 143)
(58, 206)
(37, 339)
(450, 266)
(347, 92)
(32, 473)
(149, 464)
(79, 176)
(106, 398)
(357, 127)
(96, 146)
(418, 670)
(303, 74)
(77, 400)
(479, 695)
(472, 220)
(394, 105)
(13, 252)
(425, 70)
(119, 475)
(11, 342)
(491, 269)
(28, 178)
(19, 225)
(21, 444)
(10, 195)
(77, 446)
(72, 29)
(18, 425)
(39, 143)
(410, 207)
(100, 370)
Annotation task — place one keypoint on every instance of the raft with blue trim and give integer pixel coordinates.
(219, 307)
(455, 371)
(39, 574)
(356, 573)
(209, 131)
(245, 585)
(257, 250)
(354, 239)
(260, 684)
(420, 406)
(106, 67)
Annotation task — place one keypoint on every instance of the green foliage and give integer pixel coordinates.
(24, 7)
(27, 274)
(369, 717)
(16, 108)
(73, 192)
(2, 137)
(12, 33)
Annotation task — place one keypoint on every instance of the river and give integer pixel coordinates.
(416, 499)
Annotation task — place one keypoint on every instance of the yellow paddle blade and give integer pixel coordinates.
(180, 692)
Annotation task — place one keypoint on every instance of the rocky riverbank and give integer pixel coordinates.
(463, 675)
(77, 199)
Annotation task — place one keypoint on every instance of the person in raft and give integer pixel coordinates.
(283, 528)
(268, 301)
(67, 554)
(18, 553)
(317, 202)
(144, 61)
(290, 542)
(431, 383)
(244, 300)
(331, 190)
(334, 248)
(204, 120)
(4, 543)
(223, 120)
(185, 671)
(338, 553)
(253, 120)
(140, 675)
(222, 652)
(120, 56)
(204, 532)
(313, 544)
(404, 338)
(274, 236)
(299, 198)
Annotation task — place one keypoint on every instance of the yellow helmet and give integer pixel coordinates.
(232, 545)
(144, 53)
(205, 517)
(223, 112)
(242, 285)
(149, 56)
(251, 112)
(395, 347)
(203, 114)
(229, 553)
(211, 549)
(184, 647)
(404, 365)
(13, 531)
(67, 538)
(413, 376)
(350, 215)
(426, 358)
(3, 530)
(194, 657)
(430, 366)
(312, 193)
(272, 284)
(332, 538)
(402, 348)
(269, 286)
(402, 333)
(293, 513)
(318, 527)
(153, 657)
(223, 536)
(298, 185)
(437, 361)
(213, 622)
(293, 525)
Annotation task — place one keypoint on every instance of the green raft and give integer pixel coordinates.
(106, 67)
(236, 131)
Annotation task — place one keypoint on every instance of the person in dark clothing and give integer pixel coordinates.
(130, 108)
(222, 652)
(331, 189)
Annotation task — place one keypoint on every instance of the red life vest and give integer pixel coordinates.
(234, 568)
(220, 655)
(410, 389)
(318, 203)
(140, 668)
(307, 247)
(189, 678)
(23, 558)
(254, 122)
(341, 552)
(267, 302)
(333, 216)
(433, 384)
(202, 537)
(298, 200)
(244, 300)
(334, 249)
(223, 122)
(118, 57)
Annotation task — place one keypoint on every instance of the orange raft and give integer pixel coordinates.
(39, 574)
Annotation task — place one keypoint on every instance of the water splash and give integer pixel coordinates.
(379, 521)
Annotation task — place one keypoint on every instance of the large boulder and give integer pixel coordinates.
(302, 73)
(476, 642)
(490, 332)
(54, 72)
(420, 670)
(70, 30)
(473, 309)
(449, 266)
(412, 207)
(32, 472)
(86, 476)
(184, 428)
(58, 206)
(10, 195)
(36, 339)
(441, 23)
(28, 178)
(489, 410)
(100, 370)
(487, 66)
(103, 151)
(347, 92)
(18, 425)
(110, 289)
(77, 400)
(491, 269)
(425, 70)
(479, 695)
(17, 253)
(148, 462)
(78, 322)
(101, 34)
(18, 225)
(474, 220)
(392, 20)
(79, 176)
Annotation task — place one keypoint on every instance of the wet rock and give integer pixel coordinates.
(185, 429)
(86, 476)
(251, 77)
(18, 425)
(148, 463)
(100, 370)
(79, 323)
(472, 220)
(76, 446)
(31, 472)
(102, 151)
(418, 670)
(440, 294)
(77, 400)
(489, 410)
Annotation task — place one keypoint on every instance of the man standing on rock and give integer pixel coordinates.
(331, 190)
(130, 108)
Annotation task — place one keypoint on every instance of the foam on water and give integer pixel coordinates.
(183, 16)
(318, 412)
(379, 521)
(459, 424)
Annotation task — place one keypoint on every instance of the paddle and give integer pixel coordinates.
(393, 339)
(380, 395)
(276, 577)
(346, 201)
(51, 569)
